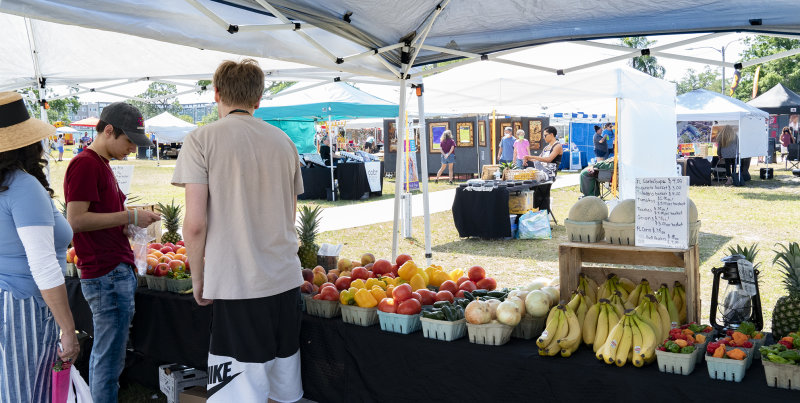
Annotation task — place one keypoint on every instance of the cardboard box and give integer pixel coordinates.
(196, 394)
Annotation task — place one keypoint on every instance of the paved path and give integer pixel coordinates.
(367, 213)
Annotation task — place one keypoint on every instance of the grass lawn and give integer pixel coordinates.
(764, 212)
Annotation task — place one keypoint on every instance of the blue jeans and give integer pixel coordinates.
(110, 298)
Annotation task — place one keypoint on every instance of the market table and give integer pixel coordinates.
(485, 214)
(316, 182)
(353, 182)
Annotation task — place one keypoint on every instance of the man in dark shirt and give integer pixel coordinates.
(600, 144)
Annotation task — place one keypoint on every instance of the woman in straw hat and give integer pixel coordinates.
(33, 243)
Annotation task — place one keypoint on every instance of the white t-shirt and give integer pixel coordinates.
(253, 174)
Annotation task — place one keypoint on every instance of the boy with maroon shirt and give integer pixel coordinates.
(98, 217)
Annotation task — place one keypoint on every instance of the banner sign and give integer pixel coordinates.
(373, 169)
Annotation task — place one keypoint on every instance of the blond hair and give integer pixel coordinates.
(239, 84)
(726, 136)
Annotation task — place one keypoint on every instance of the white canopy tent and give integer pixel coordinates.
(390, 40)
(167, 128)
(704, 105)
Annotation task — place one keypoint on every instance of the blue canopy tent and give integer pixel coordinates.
(296, 112)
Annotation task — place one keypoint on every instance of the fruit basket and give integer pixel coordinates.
(179, 286)
(323, 308)
(677, 363)
(748, 351)
(397, 323)
(584, 231)
(356, 315)
(726, 369)
(529, 327)
(785, 376)
(156, 283)
(619, 233)
(493, 334)
(443, 330)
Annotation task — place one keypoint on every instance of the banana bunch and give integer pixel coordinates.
(679, 299)
(631, 339)
(618, 302)
(615, 283)
(637, 295)
(562, 332)
(601, 317)
(579, 304)
(589, 288)
(656, 313)
(666, 300)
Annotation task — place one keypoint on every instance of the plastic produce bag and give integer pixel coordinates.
(139, 245)
(534, 225)
(79, 390)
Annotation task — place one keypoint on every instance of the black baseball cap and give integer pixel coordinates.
(127, 118)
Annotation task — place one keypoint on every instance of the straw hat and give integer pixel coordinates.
(17, 128)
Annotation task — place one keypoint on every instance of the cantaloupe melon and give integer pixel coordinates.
(590, 208)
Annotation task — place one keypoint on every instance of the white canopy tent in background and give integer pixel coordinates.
(704, 105)
(65, 129)
(390, 40)
(167, 128)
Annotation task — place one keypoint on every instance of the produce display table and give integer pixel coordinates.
(316, 181)
(353, 183)
(572, 256)
(485, 214)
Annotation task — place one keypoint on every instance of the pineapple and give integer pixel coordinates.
(786, 315)
(749, 253)
(171, 214)
(307, 232)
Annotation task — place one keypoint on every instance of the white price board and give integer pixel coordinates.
(124, 175)
(747, 276)
(662, 212)
(373, 169)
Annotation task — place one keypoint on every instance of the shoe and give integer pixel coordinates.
(450, 182)
(436, 181)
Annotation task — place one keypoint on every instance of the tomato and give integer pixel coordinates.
(461, 280)
(359, 272)
(402, 292)
(402, 259)
(329, 294)
(460, 294)
(445, 296)
(387, 305)
(476, 273)
(409, 307)
(415, 295)
(468, 286)
(487, 284)
(428, 296)
(327, 284)
(449, 285)
(382, 266)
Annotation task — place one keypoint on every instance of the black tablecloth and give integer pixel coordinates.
(316, 181)
(699, 171)
(353, 183)
(485, 214)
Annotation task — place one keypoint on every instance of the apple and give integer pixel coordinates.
(382, 266)
(161, 270)
(450, 286)
(320, 278)
(156, 246)
(461, 280)
(343, 283)
(402, 259)
(164, 259)
(175, 265)
(166, 249)
(71, 255)
(360, 272)
(367, 258)
(308, 275)
(319, 269)
(344, 264)
(468, 286)
(476, 273)
(307, 287)
(445, 296)
(171, 245)
(487, 283)
(180, 243)
(387, 305)
(187, 266)
(428, 296)
(325, 285)
(335, 271)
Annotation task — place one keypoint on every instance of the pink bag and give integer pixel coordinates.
(61, 382)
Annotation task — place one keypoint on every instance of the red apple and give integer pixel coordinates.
(476, 273)
(308, 275)
(166, 249)
(307, 287)
(402, 259)
(329, 293)
(161, 270)
(449, 285)
(359, 272)
(428, 296)
(382, 266)
(487, 284)
(180, 243)
(176, 265)
(343, 283)
(387, 305)
(156, 246)
(332, 277)
(468, 286)
(461, 280)
(445, 296)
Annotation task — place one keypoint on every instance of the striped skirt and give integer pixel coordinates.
(28, 343)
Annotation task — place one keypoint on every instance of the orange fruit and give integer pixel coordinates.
(156, 253)
(180, 257)
(181, 251)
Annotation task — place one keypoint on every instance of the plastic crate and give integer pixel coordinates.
(493, 334)
(529, 327)
(156, 283)
(179, 286)
(397, 323)
(443, 330)
(726, 369)
(757, 343)
(356, 315)
(323, 308)
(785, 376)
(174, 379)
(676, 363)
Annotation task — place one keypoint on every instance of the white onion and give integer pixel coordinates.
(493, 303)
(508, 313)
(537, 303)
(478, 313)
(553, 293)
(518, 297)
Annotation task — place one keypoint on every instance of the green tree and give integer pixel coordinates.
(213, 116)
(646, 64)
(275, 87)
(186, 118)
(785, 71)
(161, 98)
(709, 79)
(59, 108)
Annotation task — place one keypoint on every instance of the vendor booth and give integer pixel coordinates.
(166, 129)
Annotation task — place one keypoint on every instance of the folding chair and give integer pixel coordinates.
(604, 181)
(793, 157)
(719, 172)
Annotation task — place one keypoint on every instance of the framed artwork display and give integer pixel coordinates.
(392, 136)
(535, 134)
(464, 133)
(436, 131)
(517, 126)
(482, 133)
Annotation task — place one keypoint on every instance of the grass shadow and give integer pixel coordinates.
(710, 244)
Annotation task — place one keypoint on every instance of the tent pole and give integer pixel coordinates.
(158, 157)
(398, 172)
(423, 160)
(330, 145)
(494, 137)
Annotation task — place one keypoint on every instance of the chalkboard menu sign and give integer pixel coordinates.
(662, 213)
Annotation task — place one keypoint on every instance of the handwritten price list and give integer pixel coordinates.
(662, 218)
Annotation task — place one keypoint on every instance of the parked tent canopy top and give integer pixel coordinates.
(167, 128)
(778, 100)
